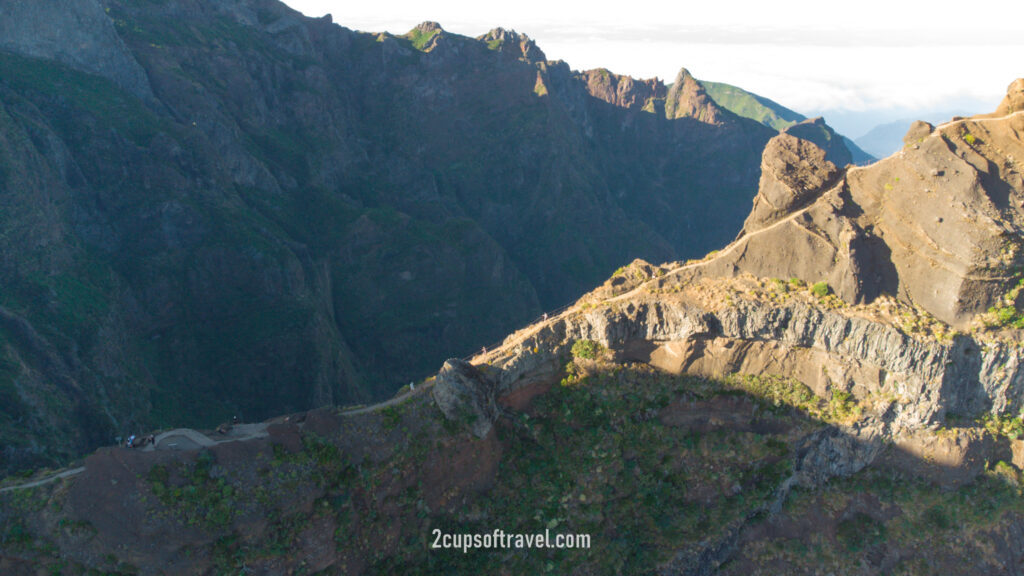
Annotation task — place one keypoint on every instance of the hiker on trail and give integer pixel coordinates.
(483, 350)
(545, 316)
(234, 420)
(412, 387)
(131, 441)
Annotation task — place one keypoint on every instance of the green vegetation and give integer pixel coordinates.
(539, 88)
(45, 80)
(421, 38)
(390, 417)
(1007, 425)
(1006, 313)
(842, 407)
(752, 106)
(777, 391)
(647, 463)
(781, 392)
(598, 460)
(587, 349)
(1007, 316)
(820, 289)
(860, 532)
(945, 528)
(970, 139)
(194, 495)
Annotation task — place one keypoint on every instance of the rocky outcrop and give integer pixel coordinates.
(917, 132)
(466, 395)
(917, 381)
(794, 173)
(512, 42)
(823, 136)
(688, 99)
(938, 225)
(1014, 100)
(625, 92)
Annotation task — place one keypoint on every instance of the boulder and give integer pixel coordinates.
(466, 395)
(918, 131)
(794, 173)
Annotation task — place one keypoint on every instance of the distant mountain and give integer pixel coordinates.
(885, 139)
(769, 113)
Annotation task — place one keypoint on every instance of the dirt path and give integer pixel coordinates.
(517, 338)
(422, 389)
(47, 480)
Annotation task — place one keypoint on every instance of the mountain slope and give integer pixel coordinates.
(749, 105)
(250, 211)
(771, 113)
(697, 417)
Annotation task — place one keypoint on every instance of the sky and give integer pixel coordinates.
(870, 62)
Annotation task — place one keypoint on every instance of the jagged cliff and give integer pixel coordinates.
(925, 307)
(225, 208)
(695, 417)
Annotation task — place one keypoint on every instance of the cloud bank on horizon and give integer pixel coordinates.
(877, 58)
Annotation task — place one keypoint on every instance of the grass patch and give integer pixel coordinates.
(421, 38)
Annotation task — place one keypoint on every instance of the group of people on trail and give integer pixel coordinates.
(134, 441)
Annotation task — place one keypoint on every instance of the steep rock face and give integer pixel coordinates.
(514, 43)
(288, 214)
(687, 98)
(625, 92)
(1014, 100)
(915, 383)
(464, 393)
(938, 225)
(794, 172)
(75, 32)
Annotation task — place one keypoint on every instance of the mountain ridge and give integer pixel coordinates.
(698, 411)
(304, 215)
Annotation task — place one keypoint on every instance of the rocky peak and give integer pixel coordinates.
(623, 91)
(77, 33)
(510, 41)
(428, 27)
(794, 172)
(1014, 100)
(425, 35)
(688, 99)
(917, 132)
(821, 134)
